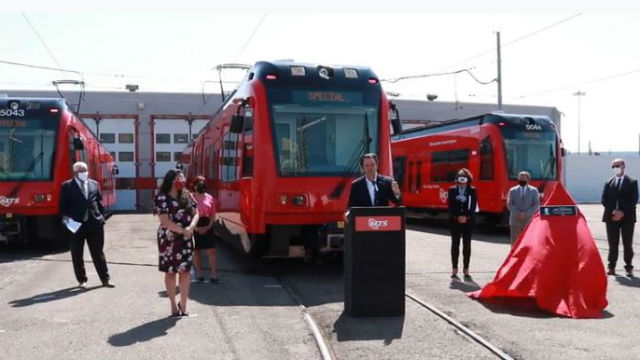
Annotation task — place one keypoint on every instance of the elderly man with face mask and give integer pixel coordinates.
(619, 198)
(80, 202)
(523, 202)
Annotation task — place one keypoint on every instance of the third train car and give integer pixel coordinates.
(494, 147)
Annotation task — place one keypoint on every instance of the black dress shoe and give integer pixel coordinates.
(629, 273)
(108, 284)
(611, 272)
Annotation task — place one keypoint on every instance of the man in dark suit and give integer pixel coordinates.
(619, 198)
(373, 189)
(80, 201)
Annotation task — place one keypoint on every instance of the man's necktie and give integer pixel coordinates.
(619, 183)
(86, 196)
(375, 193)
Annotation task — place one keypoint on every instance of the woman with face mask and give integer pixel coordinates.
(462, 203)
(178, 215)
(204, 236)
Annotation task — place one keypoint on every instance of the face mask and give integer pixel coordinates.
(179, 184)
(200, 188)
(83, 176)
(617, 170)
(462, 180)
(522, 183)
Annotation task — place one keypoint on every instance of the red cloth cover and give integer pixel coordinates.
(555, 262)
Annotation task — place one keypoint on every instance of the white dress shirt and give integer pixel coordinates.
(84, 186)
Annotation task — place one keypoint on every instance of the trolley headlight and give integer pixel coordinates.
(297, 200)
(39, 198)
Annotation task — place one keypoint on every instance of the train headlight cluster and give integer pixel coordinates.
(292, 200)
(41, 198)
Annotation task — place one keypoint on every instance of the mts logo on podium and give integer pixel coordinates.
(378, 223)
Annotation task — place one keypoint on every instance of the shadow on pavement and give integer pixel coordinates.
(493, 235)
(250, 282)
(466, 286)
(525, 307)
(51, 296)
(144, 332)
(382, 328)
(633, 282)
(19, 252)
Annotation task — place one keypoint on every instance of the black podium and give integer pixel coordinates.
(374, 262)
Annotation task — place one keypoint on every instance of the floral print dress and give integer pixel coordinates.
(176, 252)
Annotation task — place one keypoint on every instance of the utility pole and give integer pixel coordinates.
(499, 78)
(579, 94)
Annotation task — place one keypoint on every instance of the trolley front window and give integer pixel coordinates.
(532, 151)
(323, 140)
(27, 148)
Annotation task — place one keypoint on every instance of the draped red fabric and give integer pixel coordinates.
(555, 261)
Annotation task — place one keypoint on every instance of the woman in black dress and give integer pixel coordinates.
(178, 216)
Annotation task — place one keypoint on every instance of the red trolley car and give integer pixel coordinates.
(494, 147)
(282, 151)
(40, 139)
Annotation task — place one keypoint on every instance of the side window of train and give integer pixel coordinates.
(486, 159)
(75, 153)
(398, 170)
(445, 164)
(247, 148)
(230, 157)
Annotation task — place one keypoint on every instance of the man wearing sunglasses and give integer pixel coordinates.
(619, 199)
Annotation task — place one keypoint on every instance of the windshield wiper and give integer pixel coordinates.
(24, 177)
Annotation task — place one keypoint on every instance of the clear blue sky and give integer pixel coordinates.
(163, 48)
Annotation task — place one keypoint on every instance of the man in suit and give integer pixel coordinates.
(619, 198)
(523, 202)
(373, 189)
(80, 200)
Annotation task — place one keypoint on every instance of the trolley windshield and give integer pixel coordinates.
(532, 151)
(323, 133)
(26, 148)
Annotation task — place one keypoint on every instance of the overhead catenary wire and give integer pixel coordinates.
(41, 39)
(587, 82)
(41, 67)
(467, 71)
(506, 44)
(255, 29)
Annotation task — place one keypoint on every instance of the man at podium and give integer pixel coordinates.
(373, 189)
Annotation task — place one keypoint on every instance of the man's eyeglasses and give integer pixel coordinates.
(615, 166)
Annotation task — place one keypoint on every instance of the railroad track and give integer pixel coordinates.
(459, 326)
(324, 346)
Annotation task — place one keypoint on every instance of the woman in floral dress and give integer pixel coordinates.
(178, 216)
